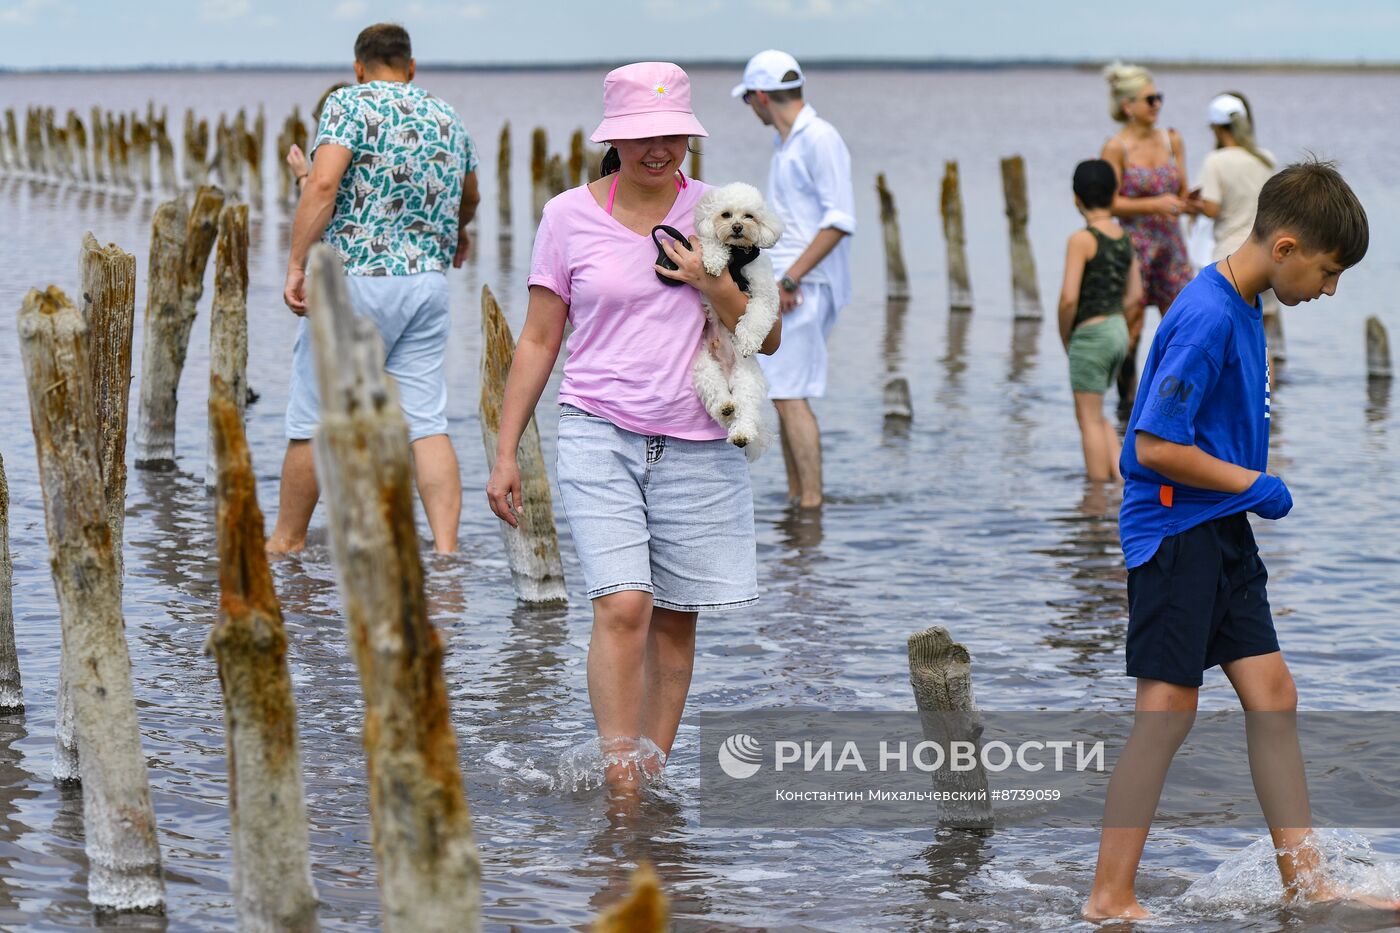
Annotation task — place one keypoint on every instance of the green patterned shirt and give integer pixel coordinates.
(396, 210)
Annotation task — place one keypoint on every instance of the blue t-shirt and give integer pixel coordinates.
(1205, 383)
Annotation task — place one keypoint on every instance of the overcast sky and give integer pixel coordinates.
(97, 33)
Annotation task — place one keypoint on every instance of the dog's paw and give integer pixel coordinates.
(739, 440)
(726, 409)
(714, 262)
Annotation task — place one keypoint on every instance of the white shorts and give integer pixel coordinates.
(798, 369)
(412, 314)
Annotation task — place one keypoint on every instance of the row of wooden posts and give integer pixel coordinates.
(127, 152)
(78, 369)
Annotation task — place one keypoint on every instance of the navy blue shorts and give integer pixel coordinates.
(1200, 601)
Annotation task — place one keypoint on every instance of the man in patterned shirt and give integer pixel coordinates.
(392, 188)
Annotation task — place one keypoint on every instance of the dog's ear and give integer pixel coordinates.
(770, 228)
(706, 208)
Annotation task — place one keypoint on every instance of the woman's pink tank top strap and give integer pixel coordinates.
(612, 189)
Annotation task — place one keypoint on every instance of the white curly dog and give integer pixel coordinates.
(733, 224)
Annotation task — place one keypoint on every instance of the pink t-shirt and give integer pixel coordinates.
(635, 340)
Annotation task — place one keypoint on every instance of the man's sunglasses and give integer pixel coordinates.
(1154, 99)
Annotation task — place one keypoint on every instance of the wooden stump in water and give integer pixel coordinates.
(119, 824)
(165, 156)
(429, 871)
(228, 321)
(896, 278)
(576, 158)
(503, 183)
(99, 146)
(1273, 335)
(532, 548)
(1377, 349)
(951, 206)
(272, 886)
(109, 310)
(78, 142)
(646, 909)
(539, 166)
(180, 247)
(252, 158)
(11, 694)
(555, 183)
(141, 153)
(198, 155)
(940, 671)
(1025, 291)
(696, 158)
(898, 402)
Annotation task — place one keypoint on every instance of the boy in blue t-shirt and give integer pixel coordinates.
(1194, 462)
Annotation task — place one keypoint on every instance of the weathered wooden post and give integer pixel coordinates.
(1273, 335)
(539, 166)
(99, 146)
(119, 823)
(141, 152)
(252, 159)
(11, 693)
(576, 158)
(109, 310)
(78, 143)
(899, 404)
(940, 671)
(16, 159)
(959, 287)
(1025, 291)
(503, 183)
(165, 156)
(187, 144)
(1377, 349)
(238, 139)
(228, 320)
(555, 182)
(199, 155)
(532, 548)
(272, 887)
(645, 910)
(896, 278)
(696, 158)
(180, 245)
(429, 871)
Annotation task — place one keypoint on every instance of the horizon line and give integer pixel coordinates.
(834, 64)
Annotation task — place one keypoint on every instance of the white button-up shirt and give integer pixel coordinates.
(809, 184)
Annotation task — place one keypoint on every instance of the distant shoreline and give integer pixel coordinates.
(851, 64)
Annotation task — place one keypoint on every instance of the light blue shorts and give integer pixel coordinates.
(668, 516)
(411, 312)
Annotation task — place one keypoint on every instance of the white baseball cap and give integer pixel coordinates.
(1222, 108)
(765, 71)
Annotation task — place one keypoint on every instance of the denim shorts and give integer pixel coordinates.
(671, 517)
(411, 313)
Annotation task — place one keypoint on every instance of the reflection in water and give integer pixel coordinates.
(649, 828)
(893, 347)
(1377, 400)
(16, 786)
(954, 856)
(954, 364)
(1093, 617)
(1025, 340)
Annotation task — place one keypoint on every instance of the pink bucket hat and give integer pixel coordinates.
(646, 99)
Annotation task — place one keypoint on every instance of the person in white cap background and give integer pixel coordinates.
(1231, 178)
(809, 185)
(657, 500)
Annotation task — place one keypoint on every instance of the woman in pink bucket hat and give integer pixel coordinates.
(658, 502)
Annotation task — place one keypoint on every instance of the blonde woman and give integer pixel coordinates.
(1152, 194)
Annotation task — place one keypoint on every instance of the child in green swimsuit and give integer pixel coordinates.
(1101, 280)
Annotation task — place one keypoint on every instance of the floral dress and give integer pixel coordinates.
(1157, 238)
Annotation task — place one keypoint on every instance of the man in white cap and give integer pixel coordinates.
(809, 185)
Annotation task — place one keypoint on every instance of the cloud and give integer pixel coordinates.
(24, 12)
(351, 9)
(221, 11)
(445, 10)
(817, 9)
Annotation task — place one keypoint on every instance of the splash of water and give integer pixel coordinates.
(584, 766)
(1250, 879)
